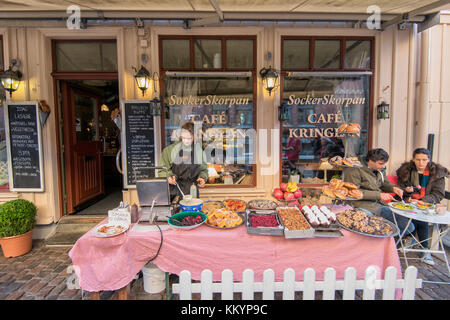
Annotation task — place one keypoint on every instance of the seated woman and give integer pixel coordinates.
(429, 178)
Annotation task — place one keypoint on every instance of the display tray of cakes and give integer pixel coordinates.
(264, 223)
(294, 223)
(323, 220)
(365, 223)
(340, 190)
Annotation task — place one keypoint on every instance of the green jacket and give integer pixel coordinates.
(371, 184)
(171, 151)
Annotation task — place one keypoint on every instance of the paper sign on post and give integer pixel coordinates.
(120, 216)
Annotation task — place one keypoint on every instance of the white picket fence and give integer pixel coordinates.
(248, 287)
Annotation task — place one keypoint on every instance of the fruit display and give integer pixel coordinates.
(261, 204)
(292, 219)
(263, 220)
(220, 218)
(287, 191)
(235, 205)
(191, 220)
(210, 206)
(341, 190)
(357, 220)
(350, 128)
(347, 162)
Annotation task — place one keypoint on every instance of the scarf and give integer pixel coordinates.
(423, 184)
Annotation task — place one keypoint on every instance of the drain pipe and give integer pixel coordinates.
(423, 103)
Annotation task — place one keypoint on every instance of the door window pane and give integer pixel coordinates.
(175, 54)
(86, 56)
(223, 108)
(208, 53)
(239, 54)
(317, 106)
(327, 54)
(357, 54)
(86, 118)
(296, 54)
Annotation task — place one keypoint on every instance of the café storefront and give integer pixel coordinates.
(254, 140)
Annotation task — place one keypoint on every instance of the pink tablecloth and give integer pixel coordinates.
(112, 263)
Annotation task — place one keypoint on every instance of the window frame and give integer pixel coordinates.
(342, 69)
(224, 38)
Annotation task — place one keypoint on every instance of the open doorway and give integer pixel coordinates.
(90, 141)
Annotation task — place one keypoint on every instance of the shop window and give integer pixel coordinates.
(296, 54)
(175, 54)
(239, 54)
(357, 54)
(327, 54)
(85, 55)
(208, 54)
(223, 108)
(4, 182)
(316, 110)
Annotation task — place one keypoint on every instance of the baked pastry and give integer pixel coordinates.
(342, 127)
(334, 183)
(326, 190)
(354, 124)
(341, 193)
(350, 186)
(353, 128)
(347, 162)
(355, 193)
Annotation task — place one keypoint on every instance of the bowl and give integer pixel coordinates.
(192, 205)
(181, 215)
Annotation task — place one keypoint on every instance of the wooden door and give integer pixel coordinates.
(83, 146)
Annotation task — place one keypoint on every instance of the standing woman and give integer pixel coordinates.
(429, 178)
(186, 163)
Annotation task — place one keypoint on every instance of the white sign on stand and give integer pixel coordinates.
(120, 216)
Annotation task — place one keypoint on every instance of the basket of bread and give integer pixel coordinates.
(340, 190)
(350, 128)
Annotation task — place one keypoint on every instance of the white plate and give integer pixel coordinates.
(113, 230)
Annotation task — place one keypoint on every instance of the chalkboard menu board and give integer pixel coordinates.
(23, 138)
(138, 141)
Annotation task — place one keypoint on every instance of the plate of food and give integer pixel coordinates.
(210, 205)
(402, 206)
(223, 219)
(235, 205)
(109, 230)
(262, 204)
(422, 205)
(351, 162)
(365, 223)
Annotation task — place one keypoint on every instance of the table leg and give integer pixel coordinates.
(400, 238)
(443, 251)
(435, 237)
(95, 295)
(124, 293)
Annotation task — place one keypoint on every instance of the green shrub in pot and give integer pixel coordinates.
(16, 217)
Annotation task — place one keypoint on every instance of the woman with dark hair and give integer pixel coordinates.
(424, 180)
(186, 163)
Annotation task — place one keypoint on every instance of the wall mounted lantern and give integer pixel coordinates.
(11, 78)
(383, 111)
(269, 78)
(143, 79)
(155, 105)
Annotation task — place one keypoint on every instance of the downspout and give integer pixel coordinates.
(423, 107)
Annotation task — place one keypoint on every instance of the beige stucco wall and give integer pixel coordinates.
(396, 62)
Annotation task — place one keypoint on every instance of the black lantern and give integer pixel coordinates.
(383, 111)
(155, 105)
(283, 113)
(11, 77)
(269, 78)
(143, 79)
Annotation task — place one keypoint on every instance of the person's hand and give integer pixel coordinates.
(398, 192)
(172, 180)
(385, 197)
(201, 182)
(409, 189)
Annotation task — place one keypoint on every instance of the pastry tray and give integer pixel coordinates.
(269, 231)
(297, 234)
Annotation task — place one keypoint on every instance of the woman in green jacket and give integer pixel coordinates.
(424, 180)
(186, 163)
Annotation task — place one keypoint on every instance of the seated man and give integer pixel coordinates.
(371, 179)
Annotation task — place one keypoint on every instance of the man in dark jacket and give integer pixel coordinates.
(372, 180)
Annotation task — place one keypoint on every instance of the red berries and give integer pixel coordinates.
(191, 220)
(263, 221)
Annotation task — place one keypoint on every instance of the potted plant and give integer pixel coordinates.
(17, 219)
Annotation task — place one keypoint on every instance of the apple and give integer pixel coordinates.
(298, 194)
(278, 194)
(289, 196)
(283, 186)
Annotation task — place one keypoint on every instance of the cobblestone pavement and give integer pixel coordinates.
(42, 275)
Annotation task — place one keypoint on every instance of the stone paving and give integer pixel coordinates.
(42, 275)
